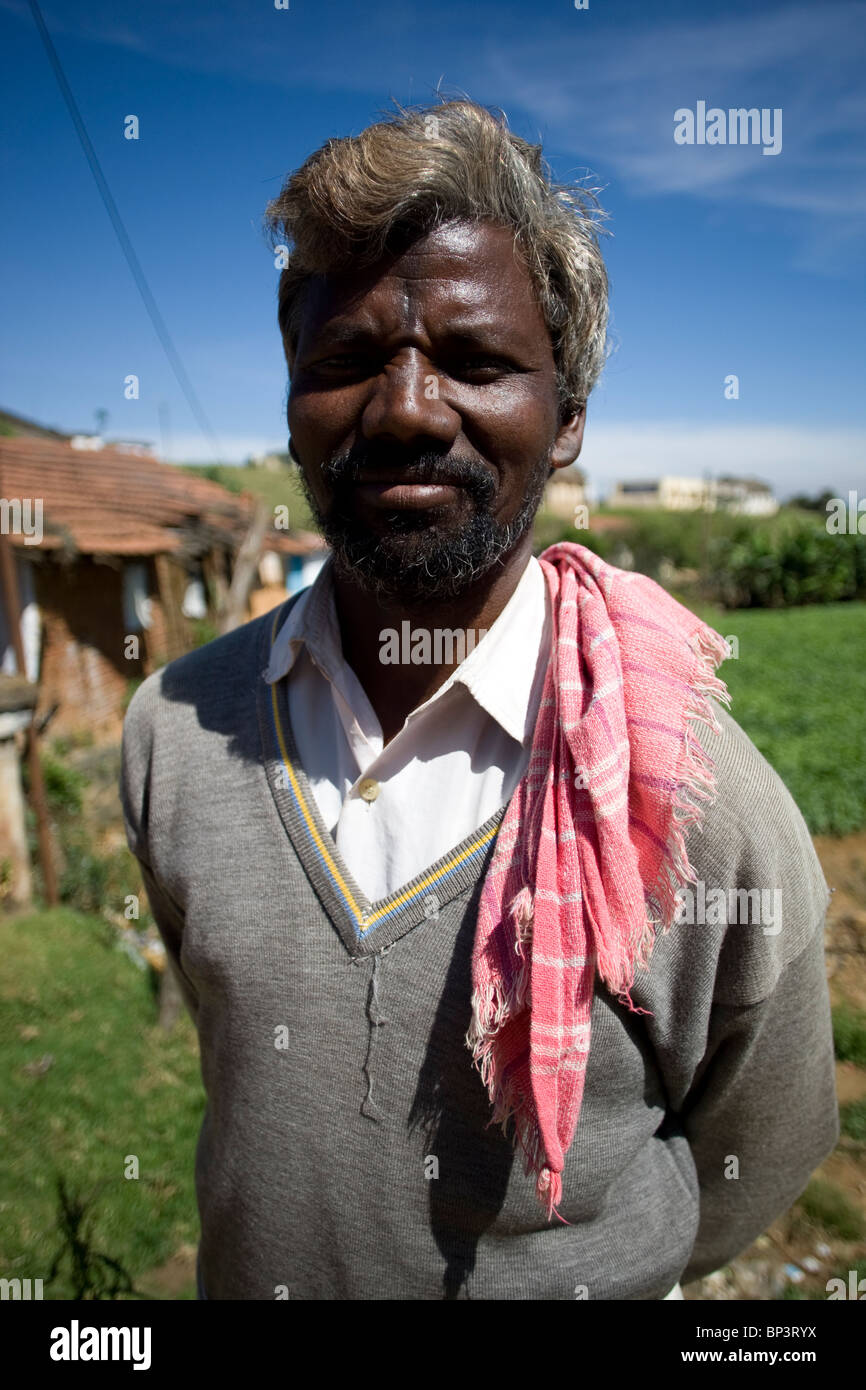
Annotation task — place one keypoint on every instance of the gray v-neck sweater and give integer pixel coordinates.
(346, 1151)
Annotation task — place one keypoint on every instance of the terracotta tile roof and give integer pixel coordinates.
(111, 502)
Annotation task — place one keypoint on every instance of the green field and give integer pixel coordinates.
(798, 688)
(87, 1080)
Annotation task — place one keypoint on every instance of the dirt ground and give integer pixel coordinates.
(844, 865)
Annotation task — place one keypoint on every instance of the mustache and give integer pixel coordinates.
(359, 464)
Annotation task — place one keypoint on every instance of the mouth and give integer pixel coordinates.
(406, 496)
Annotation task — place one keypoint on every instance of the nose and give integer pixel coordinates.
(406, 404)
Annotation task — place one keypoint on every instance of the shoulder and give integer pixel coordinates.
(204, 682)
(197, 705)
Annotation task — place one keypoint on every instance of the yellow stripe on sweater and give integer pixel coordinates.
(317, 839)
(433, 878)
(363, 921)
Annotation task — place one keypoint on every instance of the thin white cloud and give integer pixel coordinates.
(617, 107)
(606, 96)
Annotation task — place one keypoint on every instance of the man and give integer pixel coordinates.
(416, 842)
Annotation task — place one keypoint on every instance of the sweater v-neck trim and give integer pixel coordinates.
(365, 926)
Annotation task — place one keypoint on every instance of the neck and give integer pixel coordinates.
(395, 688)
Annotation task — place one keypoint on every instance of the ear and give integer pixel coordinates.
(569, 439)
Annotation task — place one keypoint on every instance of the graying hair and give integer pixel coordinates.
(360, 198)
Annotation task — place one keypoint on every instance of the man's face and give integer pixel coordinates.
(423, 410)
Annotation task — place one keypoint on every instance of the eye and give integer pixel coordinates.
(480, 365)
(347, 361)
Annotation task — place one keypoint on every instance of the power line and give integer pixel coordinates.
(123, 237)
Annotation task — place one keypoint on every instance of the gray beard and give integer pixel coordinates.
(413, 564)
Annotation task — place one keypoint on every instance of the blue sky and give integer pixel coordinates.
(722, 260)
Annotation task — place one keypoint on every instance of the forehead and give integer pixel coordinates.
(459, 274)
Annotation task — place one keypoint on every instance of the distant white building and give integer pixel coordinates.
(671, 493)
(565, 491)
(274, 463)
(746, 496)
(94, 442)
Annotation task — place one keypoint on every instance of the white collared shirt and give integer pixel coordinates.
(457, 758)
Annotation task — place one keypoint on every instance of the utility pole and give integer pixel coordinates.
(233, 610)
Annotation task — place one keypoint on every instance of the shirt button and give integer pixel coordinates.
(369, 788)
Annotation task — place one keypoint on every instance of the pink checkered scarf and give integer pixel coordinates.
(591, 852)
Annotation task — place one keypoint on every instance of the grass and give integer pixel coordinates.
(849, 1034)
(798, 688)
(88, 1079)
(852, 1118)
(826, 1208)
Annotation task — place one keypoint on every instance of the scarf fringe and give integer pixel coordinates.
(495, 1005)
(696, 788)
(508, 1102)
(695, 791)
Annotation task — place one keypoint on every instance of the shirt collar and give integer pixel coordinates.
(311, 623)
(504, 672)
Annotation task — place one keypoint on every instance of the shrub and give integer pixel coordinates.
(84, 878)
(849, 1034)
(742, 562)
(63, 784)
(204, 631)
(88, 880)
(785, 566)
(131, 687)
(827, 1207)
(852, 1119)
